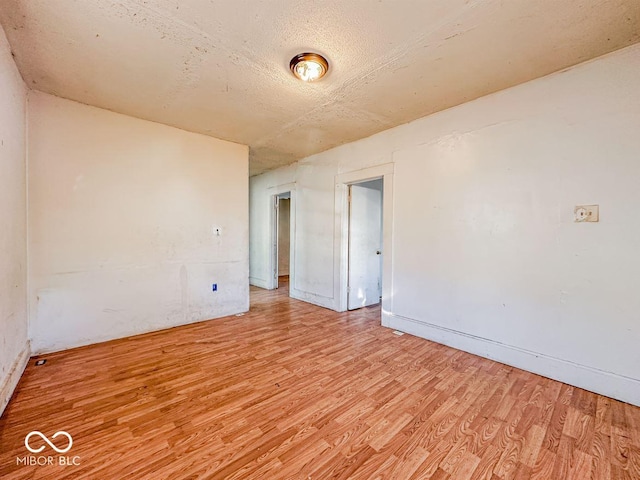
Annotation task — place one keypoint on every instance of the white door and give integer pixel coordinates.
(365, 244)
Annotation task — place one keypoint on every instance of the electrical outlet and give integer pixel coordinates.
(214, 287)
(586, 213)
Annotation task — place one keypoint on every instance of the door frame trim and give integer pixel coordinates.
(274, 192)
(341, 236)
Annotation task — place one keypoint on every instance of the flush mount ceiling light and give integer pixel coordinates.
(309, 67)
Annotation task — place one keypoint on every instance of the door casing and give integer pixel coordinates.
(273, 234)
(341, 232)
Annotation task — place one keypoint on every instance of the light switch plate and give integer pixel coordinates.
(586, 213)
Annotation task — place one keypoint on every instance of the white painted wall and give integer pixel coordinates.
(14, 345)
(121, 221)
(486, 256)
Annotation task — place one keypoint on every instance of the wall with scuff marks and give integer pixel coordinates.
(486, 255)
(122, 213)
(14, 345)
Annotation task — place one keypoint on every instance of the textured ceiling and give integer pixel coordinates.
(221, 67)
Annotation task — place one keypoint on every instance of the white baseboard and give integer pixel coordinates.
(259, 282)
(313, 298)
(10, 383)
(610, 384)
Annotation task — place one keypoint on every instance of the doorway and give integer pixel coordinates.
(365, 243)
(283, 239)
(282, 234)
(344, 183)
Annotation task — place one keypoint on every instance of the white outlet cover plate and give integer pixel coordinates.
(586, 213)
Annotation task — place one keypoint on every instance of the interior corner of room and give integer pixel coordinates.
(123, 234)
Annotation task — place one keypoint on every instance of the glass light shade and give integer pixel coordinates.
(309, 67)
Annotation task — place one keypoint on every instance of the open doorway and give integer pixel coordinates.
(348, 183)
(283, 240)
(282, 235)
(365, 243)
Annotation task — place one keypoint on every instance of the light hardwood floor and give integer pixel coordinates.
(293, 391)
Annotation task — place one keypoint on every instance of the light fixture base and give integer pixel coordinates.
(309, 67)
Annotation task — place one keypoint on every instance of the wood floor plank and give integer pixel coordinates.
(488, 461)
(294, 391)
(544, 466)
